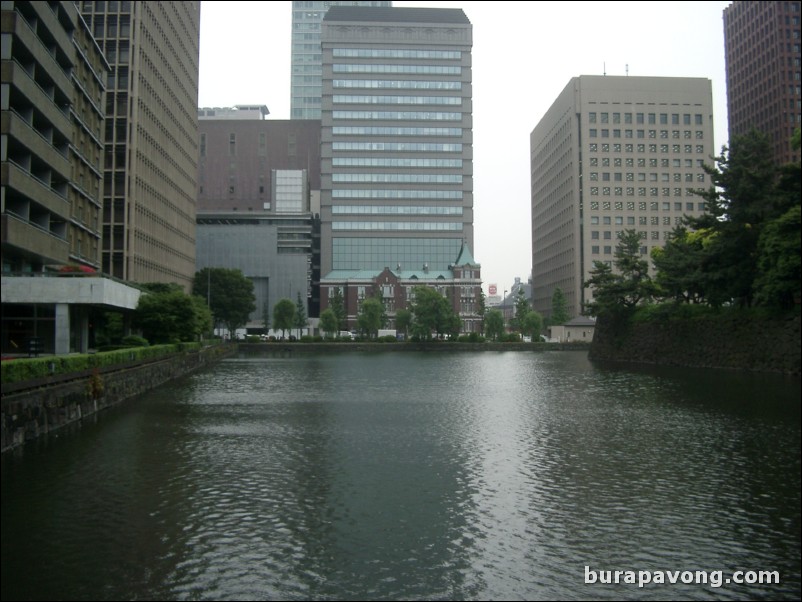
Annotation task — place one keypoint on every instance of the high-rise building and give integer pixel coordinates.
(307, 65)
(53, 101)
(762, 42)
(396, 153)
(151, 157)
(397, 146)
(53, 98)
(613, 154)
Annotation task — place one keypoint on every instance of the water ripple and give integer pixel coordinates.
(414, 476)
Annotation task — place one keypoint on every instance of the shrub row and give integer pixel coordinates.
(24, 369)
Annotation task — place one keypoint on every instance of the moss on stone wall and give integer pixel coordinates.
(736, 339)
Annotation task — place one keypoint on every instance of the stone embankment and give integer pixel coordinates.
(33, 408)
(759, 345)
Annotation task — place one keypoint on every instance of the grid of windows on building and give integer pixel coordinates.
(686, 175)
(306, 58)
(386, 76)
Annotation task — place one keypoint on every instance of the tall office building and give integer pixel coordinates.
(52, 105)
(53, 101)
(613, 154)
(762, 42)
(307, 65)
(396, 150)
(151, 157)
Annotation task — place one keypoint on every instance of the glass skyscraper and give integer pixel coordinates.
(396, 142)
(306, 56)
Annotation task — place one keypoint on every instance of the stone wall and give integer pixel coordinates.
(725, 341)
(35, 408)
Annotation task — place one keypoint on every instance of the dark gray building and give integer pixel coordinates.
(762, 44)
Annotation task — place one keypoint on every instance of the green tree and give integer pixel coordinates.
(337, 305)
(522, 308)
(679, 265)
(171, 316)
(431, 313)
(629, 286)
(371, 316)
(532, 325)
(283, 316)
(778, 280)
(403, 320)
(744, 197)
(230, 296)
(300, 320)
(494, 324)
(328, 322)
(482, 309)
(559, 308)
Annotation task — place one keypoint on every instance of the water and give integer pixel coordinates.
(385, 476)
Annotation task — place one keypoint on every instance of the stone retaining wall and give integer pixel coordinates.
(730, 342)
(40, 407)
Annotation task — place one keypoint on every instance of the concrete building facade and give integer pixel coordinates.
(763, 48)
(396, 151)
(258, 205)
(613, 154)
(52, 143)
(52, 126)
(151, 136)
(306, 58)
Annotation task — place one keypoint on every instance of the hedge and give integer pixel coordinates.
(23, 369)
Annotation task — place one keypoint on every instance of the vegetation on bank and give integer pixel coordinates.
(26, 369)
(742, 255)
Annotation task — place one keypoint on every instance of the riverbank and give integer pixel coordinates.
(730, 340)
(431, 346)
(36, 407)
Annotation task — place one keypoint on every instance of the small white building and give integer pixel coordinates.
(578, 329)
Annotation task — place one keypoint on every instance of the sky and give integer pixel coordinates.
(524, 54)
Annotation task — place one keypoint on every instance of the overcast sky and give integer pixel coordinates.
(524, 54)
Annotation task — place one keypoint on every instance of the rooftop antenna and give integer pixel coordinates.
(605, 67)
(627, 69)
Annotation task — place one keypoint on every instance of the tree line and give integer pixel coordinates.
(744, 251)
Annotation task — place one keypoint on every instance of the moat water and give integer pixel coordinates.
(415, 476)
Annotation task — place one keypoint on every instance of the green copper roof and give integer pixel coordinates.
(465, 257)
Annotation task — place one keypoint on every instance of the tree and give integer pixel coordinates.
(628, 287)
(337, 305)
(171, 316)
(559, 308)
(371, 316)
(521, 309)
(778, 280)
(283, 316)
(482, 309)
(328, 322)
(431, 312)
(230, 296)
(532, 325)
(494, 324)
(300, 320)
(679, 264)
(403, 320)
(742, 199)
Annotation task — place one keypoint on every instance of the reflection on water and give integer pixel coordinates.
(413, 476)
